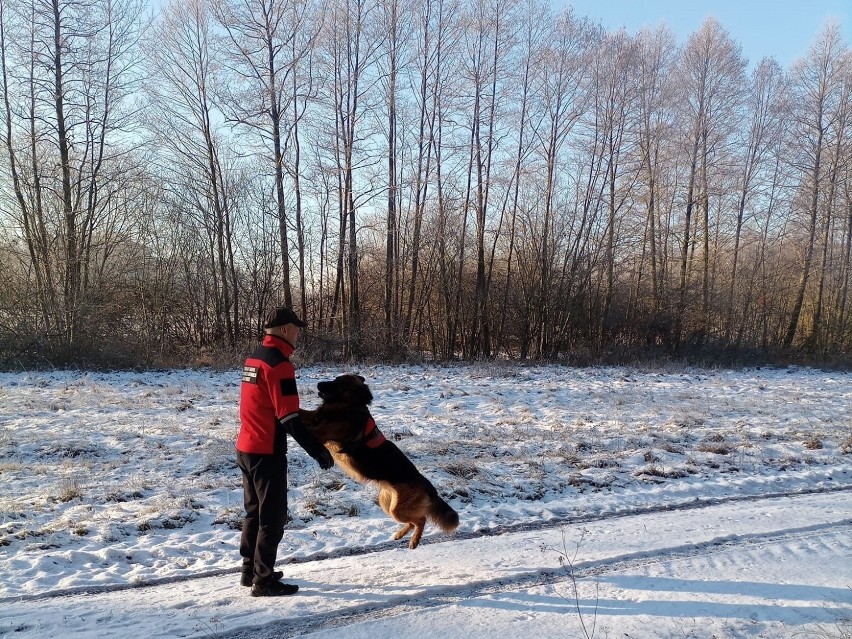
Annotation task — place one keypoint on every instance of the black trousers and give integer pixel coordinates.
(265, 498)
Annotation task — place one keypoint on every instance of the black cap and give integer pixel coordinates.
(281, 315)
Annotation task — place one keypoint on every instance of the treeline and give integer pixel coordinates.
(430, 178)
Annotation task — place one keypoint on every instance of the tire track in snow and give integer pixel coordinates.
(525, 526)
(581, 570)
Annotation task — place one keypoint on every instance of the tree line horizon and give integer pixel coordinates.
(418, 179)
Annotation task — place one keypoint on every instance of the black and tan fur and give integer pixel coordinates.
(404, 494)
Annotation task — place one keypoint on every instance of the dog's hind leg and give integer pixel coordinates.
(402, 532)
(389, 502)
(399, 505)
(418, 532)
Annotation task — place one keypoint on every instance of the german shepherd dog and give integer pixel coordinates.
(344, 425)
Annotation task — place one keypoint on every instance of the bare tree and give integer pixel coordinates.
(562, 99)
(534, 27)
(763, 116)
(837, 164)
(713, 72)
(655, 59)
(487, 43)
(615, 93)
(268, 41)
(816, 86)
(187, 122)
(352, 44)
(844, 275)
(396, 23)
(440, 34)
(67, 80)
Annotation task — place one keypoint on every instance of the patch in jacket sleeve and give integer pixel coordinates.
(250, 374)
(288, 387)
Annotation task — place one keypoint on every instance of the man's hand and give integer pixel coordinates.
(325, 460)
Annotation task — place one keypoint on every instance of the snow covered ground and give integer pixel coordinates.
(604, 502)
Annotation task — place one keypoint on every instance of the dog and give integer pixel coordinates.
(343, 424)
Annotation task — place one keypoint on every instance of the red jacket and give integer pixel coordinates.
(269, 398)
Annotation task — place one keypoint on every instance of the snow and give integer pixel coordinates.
(606, 502)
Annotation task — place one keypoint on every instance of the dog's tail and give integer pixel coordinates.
(442, 514)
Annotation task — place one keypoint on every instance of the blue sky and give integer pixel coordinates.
(783, 29)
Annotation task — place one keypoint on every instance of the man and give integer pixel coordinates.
(269, 411)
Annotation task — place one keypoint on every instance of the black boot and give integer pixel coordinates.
(247, 577)
(273, 589)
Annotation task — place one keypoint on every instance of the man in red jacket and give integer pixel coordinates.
(269, 411)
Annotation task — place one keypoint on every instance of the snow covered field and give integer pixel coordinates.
(602, 502)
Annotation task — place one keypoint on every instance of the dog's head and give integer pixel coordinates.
(346, 389)
(344, 403)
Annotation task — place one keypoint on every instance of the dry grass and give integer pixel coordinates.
(813, 443)
(463, 469)
(69, 489)
(716, 449)
(662, 472)
(231, 517)
(715, 444)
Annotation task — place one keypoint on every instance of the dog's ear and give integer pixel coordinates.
(363, 379)
(362, 392)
